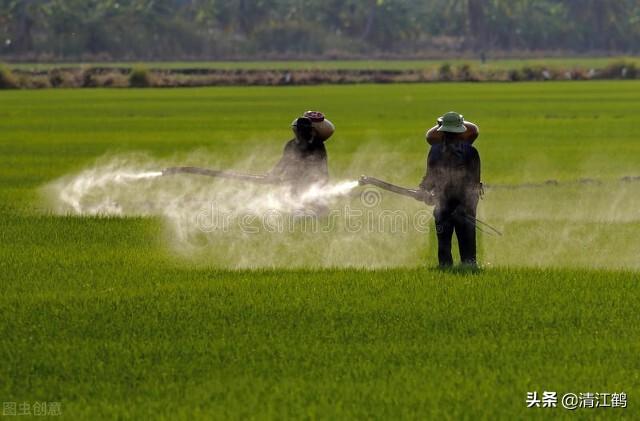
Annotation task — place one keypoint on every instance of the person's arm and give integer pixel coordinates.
(280, 168)
(472, 132)
(428, 183)
(473, 163)
(429, 179)
(325, 165)
(320, 167)
(434, 136)
(477, 168)
(478, 175)
(473, 180)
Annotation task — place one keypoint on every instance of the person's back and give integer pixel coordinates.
(453, 171)
(304, 159)
(303, 164)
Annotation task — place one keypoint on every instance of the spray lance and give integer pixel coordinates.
(420, 195)
(254, 178)
(425, 196)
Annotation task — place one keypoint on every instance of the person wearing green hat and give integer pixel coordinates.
(452, 184)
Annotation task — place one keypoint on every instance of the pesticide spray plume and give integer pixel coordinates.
(186, 199)
(594, 225)
(96, 190)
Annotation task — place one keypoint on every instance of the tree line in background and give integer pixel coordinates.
(217, 29)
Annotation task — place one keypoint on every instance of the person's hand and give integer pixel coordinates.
(426, 196)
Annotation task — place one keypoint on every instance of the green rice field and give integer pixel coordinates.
(134, 313)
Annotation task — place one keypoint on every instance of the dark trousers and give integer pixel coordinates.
(459, 217)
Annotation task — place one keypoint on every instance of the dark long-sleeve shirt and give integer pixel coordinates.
(453, 172)
(302, 165)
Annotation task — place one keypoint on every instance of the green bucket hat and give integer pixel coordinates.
(452, 122)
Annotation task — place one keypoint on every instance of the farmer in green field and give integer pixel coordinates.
(304, 160)
(452, 184)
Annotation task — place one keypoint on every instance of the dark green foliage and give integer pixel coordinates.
(515, 75)
(290, 38)
(56, 78)
(176, 29)
(140, 77)
(7, 79)
(466, 74)
(88, 79)
(445, 73)
(215, 73)
(619, 70)
(533, 73)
